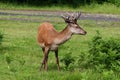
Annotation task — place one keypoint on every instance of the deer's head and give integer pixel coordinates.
(71, 20)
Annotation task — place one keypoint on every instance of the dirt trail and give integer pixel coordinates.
(85, 16)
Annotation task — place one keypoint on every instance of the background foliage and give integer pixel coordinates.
(71, 3)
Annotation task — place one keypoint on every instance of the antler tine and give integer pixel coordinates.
(63, 16)
(74, 15)
(68, 14)
(78, 15)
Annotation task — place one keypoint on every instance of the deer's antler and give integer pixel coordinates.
(71, 17)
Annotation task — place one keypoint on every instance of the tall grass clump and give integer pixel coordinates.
(102, 54)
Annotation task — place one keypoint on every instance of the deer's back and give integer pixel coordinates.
(46, 34)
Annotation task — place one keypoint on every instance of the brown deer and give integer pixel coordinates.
(49, 39)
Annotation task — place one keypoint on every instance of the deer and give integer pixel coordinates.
(49, 39)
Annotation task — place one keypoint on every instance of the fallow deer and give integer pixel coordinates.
(49, 39)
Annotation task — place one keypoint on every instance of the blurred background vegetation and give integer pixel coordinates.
(70, 3)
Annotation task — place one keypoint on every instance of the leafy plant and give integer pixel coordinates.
(83, 60)
(103, 54)
(67, 60)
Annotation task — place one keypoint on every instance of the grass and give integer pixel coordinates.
(20, 56)
(94, 8)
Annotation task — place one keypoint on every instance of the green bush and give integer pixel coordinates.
(83, 60)
(103, 54)
(67, 60)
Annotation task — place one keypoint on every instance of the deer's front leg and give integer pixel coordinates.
(57, 59)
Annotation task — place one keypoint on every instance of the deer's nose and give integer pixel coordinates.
(85, 32)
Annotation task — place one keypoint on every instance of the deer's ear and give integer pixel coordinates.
(66, 18)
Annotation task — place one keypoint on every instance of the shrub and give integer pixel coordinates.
(103, 54)
(83, 60)
(67, 61)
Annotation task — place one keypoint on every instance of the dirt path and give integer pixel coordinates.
(85, 16)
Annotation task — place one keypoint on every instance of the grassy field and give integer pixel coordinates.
(20, 56)
(94, 8)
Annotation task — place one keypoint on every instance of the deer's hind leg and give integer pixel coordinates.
(45, 58)
(43, 62)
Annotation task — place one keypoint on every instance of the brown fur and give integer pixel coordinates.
(46, 33)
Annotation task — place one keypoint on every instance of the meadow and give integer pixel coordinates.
(21, 56)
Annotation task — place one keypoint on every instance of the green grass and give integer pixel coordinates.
(93, 8)
(21, 49)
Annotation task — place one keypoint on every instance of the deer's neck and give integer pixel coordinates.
(63, 36)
